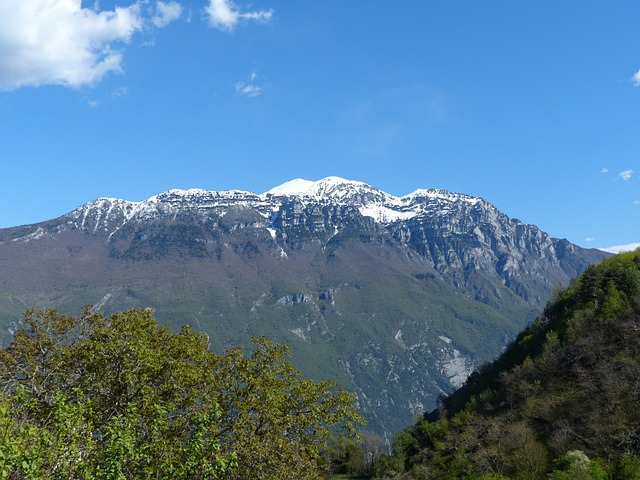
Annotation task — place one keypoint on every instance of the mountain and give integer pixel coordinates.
(399, 298)
(561, 402)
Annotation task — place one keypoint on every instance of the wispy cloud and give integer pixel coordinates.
(626, 175)
(116, 94)
(621, 248)
(636, 79)
(249, 88)
(225, 15)
(119, 92)
(166, 13)
(604, 170)
(62, 43)
(589, 239)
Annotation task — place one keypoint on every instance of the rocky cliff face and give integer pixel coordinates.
(397, 297)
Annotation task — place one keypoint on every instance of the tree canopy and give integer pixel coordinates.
(122, 397)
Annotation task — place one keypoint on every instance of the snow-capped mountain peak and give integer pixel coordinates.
(340, 188)
(294, 187)
(335, 189)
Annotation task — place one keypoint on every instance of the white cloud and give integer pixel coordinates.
(636, 79)
(621, 248)
(60, 42)
(626, 175)
(224, 14)
(248, 88)
(590, 239)
(166, 13)
(604, 170)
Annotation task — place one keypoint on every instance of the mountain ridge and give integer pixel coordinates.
(384, 208)
(397, 297)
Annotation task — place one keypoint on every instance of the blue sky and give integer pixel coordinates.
(534, 106)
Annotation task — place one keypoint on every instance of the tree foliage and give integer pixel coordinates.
(273, 419)
(560, 403)
(122, 397)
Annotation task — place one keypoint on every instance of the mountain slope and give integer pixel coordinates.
(397, 297)
(567, 383)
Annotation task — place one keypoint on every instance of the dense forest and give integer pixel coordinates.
(561, 402)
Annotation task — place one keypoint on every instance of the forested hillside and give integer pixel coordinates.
(561, 402)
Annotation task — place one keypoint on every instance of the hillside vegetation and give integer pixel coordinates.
(561, 402)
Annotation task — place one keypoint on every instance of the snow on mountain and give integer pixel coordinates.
(294, 187)
(341, 189)
(110, 214)
(438, 194)
(332, 188)
(382, 214)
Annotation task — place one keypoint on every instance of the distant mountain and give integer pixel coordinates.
(399, 298)
(564, 395)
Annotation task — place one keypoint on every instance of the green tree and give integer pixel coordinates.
(273, 419)
(122, 397)
(628, 467)
(110, 398)
(576, 465)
